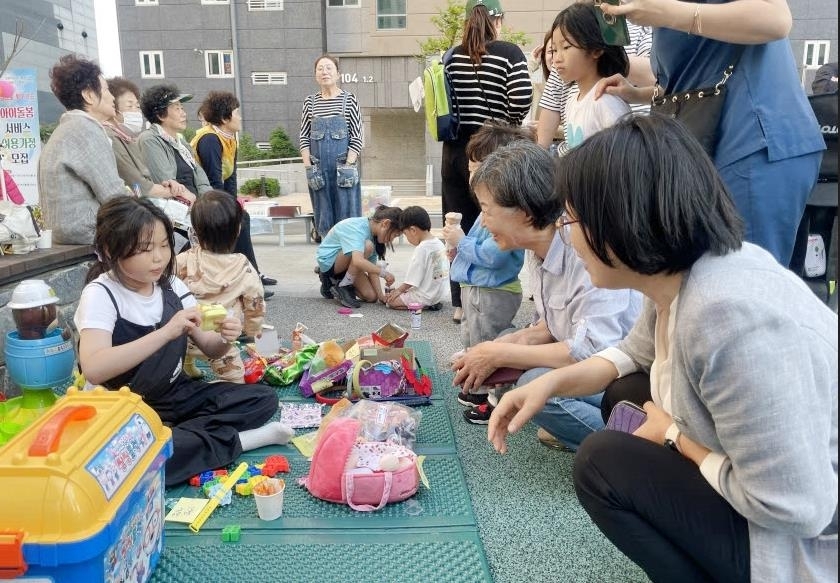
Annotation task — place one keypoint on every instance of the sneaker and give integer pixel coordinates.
(267, 294)
(434, 307)
(471, 399)
(346, 295)
(267, 280)
(326, 284)
(479, 415)
(550, 441)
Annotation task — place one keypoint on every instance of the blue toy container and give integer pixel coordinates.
(83, 491)
(45, 363)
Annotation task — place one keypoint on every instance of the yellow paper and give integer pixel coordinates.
(306, 443)
(186, 510)
(423, 478)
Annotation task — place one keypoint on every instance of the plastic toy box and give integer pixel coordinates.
(82, 495)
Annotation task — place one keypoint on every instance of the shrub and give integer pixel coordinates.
(248, 150)
(254, 187)
(281, 145)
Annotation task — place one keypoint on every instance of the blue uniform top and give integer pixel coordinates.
(345, 237)
(480, 262)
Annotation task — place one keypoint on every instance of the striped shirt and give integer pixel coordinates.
(557, 93)
(317, 106)
(499, 88)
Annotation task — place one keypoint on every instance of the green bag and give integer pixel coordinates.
(440, 102)
(613, 28)
(280, 377)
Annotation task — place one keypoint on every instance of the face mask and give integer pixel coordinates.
(133, 120)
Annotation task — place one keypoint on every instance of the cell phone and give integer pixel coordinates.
(613, 28)
(626, 417)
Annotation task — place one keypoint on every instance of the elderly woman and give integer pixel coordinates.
(733, 475)
(168, 155)
(330, 143)
(123, 129)
(514, 186)
(77, 171)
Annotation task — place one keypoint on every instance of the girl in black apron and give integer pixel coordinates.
(212, 423)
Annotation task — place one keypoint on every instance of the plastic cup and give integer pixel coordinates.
(45, 242)
(270, 506)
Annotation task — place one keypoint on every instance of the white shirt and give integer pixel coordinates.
(428, 272)
(585, 115)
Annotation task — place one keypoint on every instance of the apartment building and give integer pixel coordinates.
(49, 29)
(265, 50)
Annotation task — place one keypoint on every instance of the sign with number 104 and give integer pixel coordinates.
(356, 78)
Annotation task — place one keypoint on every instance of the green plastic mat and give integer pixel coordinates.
(404, 555)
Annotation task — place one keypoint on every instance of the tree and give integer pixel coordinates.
(248, 150)
(281, 145)
(449, 22)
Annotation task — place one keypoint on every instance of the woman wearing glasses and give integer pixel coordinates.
(515, 187)
(733, 475)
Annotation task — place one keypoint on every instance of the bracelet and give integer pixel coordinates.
(672, 437)
(695, 22)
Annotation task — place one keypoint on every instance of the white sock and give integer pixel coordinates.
(348, 280)
(273, 433)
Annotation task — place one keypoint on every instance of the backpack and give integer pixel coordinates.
(825, 110)
(341, 469)
(440, 101)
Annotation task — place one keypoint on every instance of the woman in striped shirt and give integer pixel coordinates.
(490, 81)
(331, 140)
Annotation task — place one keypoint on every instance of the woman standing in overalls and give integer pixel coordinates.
(330, 144)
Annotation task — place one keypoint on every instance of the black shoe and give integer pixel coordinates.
(471, 399)
(267, 294)
(434, 307)
(346, 295)
(326, 284)
(267, 280)
(479, 415)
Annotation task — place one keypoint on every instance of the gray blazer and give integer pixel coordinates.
(160, 159)
(77, 172)
(754, 379)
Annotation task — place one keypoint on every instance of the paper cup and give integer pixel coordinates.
(270, 506)
(45, 242)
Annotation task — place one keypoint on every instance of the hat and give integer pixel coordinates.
(181, 98)
(494, 7)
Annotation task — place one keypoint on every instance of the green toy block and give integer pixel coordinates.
(231, 533)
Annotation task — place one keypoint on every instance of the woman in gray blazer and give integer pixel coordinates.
(733, 475)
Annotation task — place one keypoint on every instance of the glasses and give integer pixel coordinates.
(563, 224)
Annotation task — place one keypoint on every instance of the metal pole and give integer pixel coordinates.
(234, 41)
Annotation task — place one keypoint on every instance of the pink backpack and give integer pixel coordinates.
(364, 475)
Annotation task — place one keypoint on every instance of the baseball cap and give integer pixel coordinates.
(494, 7)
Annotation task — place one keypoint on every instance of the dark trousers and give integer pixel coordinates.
(243, 242)
(456, 194)
(206, 419)
(655, 506)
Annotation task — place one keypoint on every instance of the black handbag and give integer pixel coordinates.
(699, 110)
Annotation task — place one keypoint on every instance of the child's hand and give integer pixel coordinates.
(392, 295)
(230, 329)
(183, 322)
(389, 279)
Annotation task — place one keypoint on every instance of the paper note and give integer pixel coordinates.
(186, 510)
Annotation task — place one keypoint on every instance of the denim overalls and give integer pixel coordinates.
(334, 187)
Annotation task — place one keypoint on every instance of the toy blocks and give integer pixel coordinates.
(231, 533)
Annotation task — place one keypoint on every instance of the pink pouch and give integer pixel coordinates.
(362, 488)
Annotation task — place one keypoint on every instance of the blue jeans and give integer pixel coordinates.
(569, 420)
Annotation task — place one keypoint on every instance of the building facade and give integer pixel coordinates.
(49, 29)
(265, 51)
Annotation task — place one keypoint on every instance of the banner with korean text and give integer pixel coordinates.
(20, 139)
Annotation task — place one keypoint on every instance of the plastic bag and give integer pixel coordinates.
(386, 421)
(279, 376)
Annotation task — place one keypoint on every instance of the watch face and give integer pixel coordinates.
(670, 443)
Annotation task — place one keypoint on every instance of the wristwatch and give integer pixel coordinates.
(672, 436)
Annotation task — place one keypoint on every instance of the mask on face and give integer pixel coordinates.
(133, 120)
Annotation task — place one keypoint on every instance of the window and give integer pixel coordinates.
(390, 14)
(254, 5)
(264, 146)
(268, 78)
(211, 2)
(815, 53)
(218, 63)
(145, 2)
(337, 3)
(151, 64)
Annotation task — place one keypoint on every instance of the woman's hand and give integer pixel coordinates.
(619, 86)
(655, 425)
(453, 234)
(475, 365)
(183, 322)
(230, 329)
(515, 408)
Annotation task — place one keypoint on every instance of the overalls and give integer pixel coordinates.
(205, 418)
(334, 187)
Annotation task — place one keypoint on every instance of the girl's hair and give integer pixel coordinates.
(390, 213)
(479, 30)
(72, 75)
(545, 70)
(327, 56)
(646, 193)
(218, 107)
(119, 85)
(493, 135)
(124, 227)
(216, 218)
(580, 28)
(520, 176)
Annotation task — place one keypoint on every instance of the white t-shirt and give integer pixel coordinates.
(96, 310)
(585, 116)
(428, 272)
